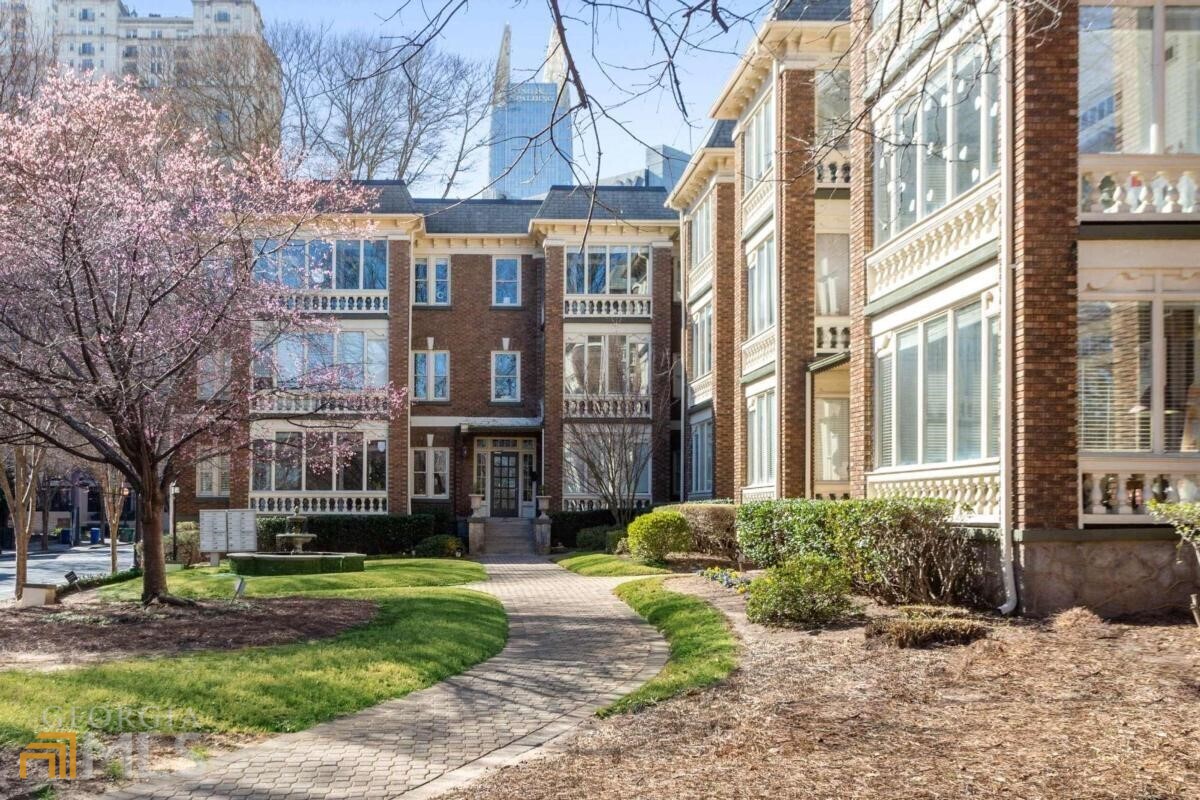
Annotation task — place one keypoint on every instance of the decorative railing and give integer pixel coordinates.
(700, 275)
(702, 388)
(1138, 186)
(319, 502)
(975, 490)
(342, 402)
(758, 198)
(752, 493)
(831, 491)
(1118, 489)
(342, 301)
(593, 502)
(759, 351)
(833, 172)
(614, 406)
(831, 335)
(605, 305)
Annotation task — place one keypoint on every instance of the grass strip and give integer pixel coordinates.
(605, 565)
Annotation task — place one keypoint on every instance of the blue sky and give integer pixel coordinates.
(475, 32)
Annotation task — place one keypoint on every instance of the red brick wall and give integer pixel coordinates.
(662, 353)
(1044, 280)
(552, 375)
(861, 243)
(794, 227)
(726, 389)
(399, 283)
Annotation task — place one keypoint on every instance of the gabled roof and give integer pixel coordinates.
(614, 203)
(476, 216)
(812, 10)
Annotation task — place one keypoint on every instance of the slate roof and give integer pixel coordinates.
(812, 10)
(477, 216)
(612, 203)
(721, 134)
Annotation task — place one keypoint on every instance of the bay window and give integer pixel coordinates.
(322, 264)
(701, 341)
(614, 364)
(431, 281)
(608, 269)
(702, 457)
(758, 132)
(760, 287)
(431, 375)
(319, 461)
(702, 231)
(506, 376)
(937, 390)
(938, 143)
(349, 359)
(431, 472)
(760, 439)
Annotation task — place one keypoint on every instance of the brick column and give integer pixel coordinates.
(662, 290)
(739, 318)
(552, 376)
(1045, 53)
(862, 222)
(726, 389)
(794, 244)
(399, 371)
(685, 365)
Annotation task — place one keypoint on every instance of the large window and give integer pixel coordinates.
(319, 461)
(758, 132)
(1116, 366)
(702, 230)
(608, 269)
(702, 341)
(212, 477)
(506, 376)
(832, 446)
(320, 264)
(938, 143)
(702, 457)
(431, 472)
(833, 107)
(506, 282)
(348, 360)
(832, 274)
(612, 364)
(431, 375)
(760, 439)
(760, 287)
(431, 281)
(937, 391)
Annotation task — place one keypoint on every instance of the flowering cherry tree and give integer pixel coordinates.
(127, 255)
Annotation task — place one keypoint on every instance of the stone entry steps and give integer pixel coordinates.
(508, 536)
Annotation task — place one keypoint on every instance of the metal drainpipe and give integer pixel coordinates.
(1007, 548)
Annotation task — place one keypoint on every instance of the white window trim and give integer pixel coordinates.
(520, 289)
(496, 399)
(605, 359)
(608, 246)
(755, 481)
(431, 280)
(766, 244)
(701, 482)
(267, 431)
(214, 466)
(430, 460)
(430, 373)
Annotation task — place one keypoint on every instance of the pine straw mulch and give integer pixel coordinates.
(1070, 708)
(87, 631)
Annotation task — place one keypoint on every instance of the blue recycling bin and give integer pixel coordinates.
(96, 537)
(64, 537)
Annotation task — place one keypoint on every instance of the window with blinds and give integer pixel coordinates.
(883, 410)
(968, 383)
(908, 404)
(936, 389)
(1115, 376)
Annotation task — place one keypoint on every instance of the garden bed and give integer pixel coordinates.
(87, 631)
(1036, 709)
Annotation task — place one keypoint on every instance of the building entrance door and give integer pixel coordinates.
(504, 484)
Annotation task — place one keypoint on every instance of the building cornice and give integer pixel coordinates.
(706, 164)
(569, 230)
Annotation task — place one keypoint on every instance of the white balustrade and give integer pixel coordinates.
(319, 502)
(833, 172)
(602, 306)
(342, 301)
(831, 335)
(374, 402)
(974, 490)
(759, 351)
(702, 388)
(1119, 489)
(1138, 185)
(606, 405)
(752, 493)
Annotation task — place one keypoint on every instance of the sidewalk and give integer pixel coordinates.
(88, 559)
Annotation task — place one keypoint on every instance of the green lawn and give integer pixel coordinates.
(420, 636)
(604, 565)
(703, 649)
(206, 582)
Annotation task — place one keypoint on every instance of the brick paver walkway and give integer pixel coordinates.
(572, 647)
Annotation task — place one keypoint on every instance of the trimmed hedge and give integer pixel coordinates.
(897, 550)
(594, 539)
(440, 546)
(297, 565)
(566, 525)
(370, 534)
(806, 592)
(651, 536)
(713, 525)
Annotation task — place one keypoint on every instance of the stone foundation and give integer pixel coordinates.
(1110, 572)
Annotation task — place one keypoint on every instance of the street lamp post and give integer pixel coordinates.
(171, 522)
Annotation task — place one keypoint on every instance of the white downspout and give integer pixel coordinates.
(1007, 547)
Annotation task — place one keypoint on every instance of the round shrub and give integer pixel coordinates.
(651, 536)
(805, 592)
(440, 546)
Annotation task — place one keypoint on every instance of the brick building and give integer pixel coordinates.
(507, 322)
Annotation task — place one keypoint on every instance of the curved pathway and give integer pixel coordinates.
(572, 648)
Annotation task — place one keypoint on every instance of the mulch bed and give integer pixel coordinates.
(53, 637)
(1071, 708)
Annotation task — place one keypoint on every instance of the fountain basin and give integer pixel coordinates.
(295, 563)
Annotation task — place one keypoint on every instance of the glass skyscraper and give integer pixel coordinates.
(531, 143)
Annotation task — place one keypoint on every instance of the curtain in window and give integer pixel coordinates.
(1115, 366)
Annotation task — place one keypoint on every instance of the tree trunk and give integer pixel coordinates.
(154, 564)
(21, 544)
(45, 493)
